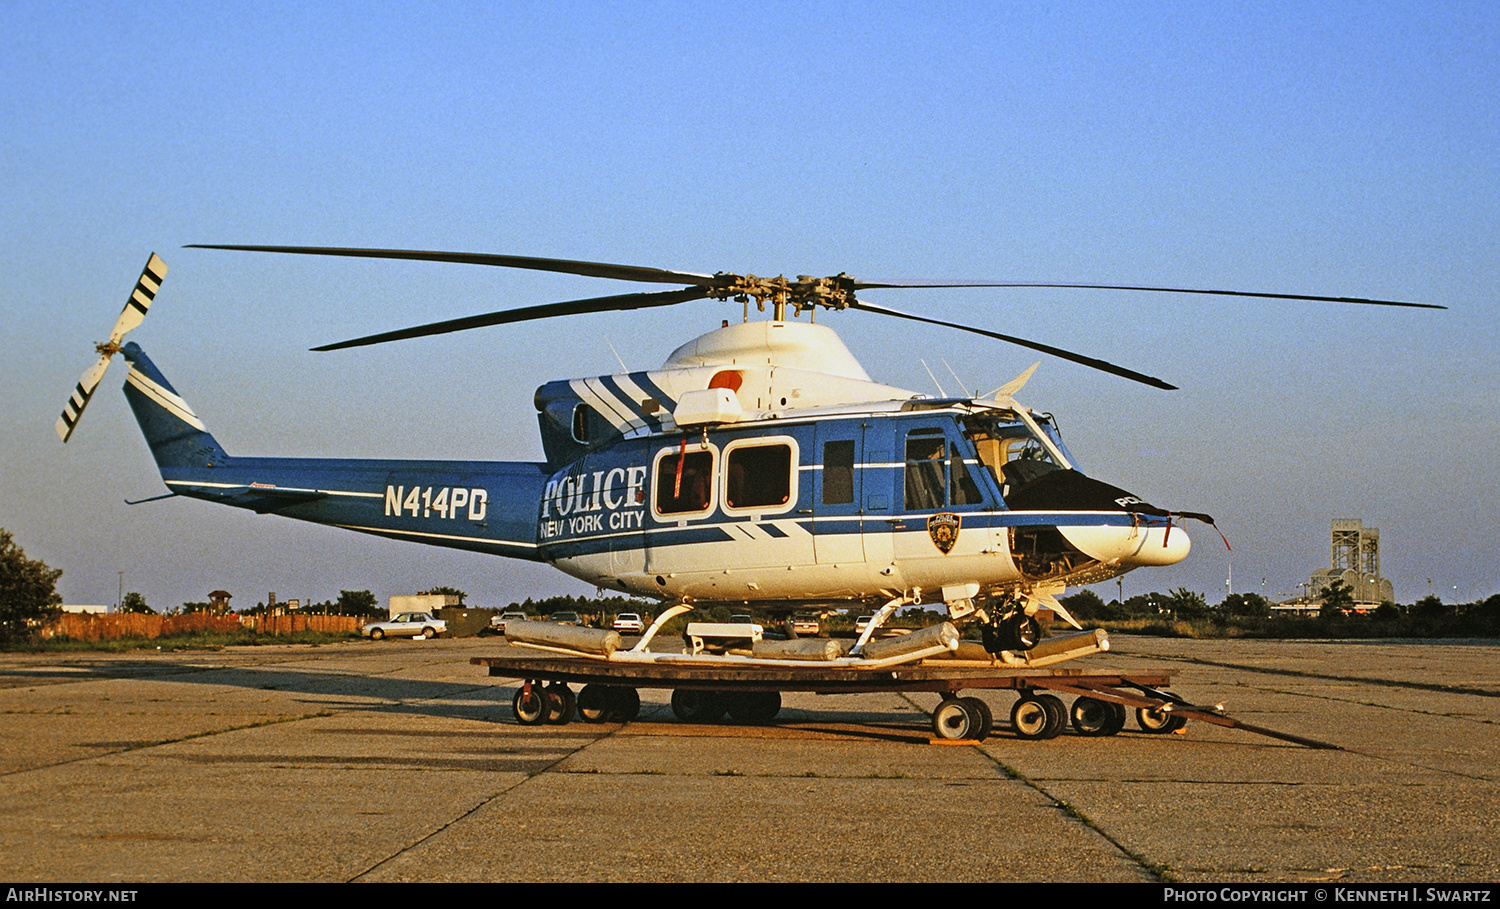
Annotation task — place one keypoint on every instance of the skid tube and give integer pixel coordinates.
(1158, 710)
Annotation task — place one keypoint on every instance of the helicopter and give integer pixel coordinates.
(760, 466)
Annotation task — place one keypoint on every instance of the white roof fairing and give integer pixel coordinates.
(794, 345)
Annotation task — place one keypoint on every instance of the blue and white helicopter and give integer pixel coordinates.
(759, 466)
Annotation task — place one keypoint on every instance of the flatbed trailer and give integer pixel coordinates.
(704, 693)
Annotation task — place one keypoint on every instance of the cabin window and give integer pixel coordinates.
(838, 472)
(684, 483)
(936, 475)
(924, 469)
(760, 476)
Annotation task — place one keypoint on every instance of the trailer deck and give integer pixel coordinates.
(705, 692)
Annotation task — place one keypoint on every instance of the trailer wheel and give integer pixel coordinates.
(693, 706)
(1030, 718)
(754, 707)
(953, 720)
(1158, 722)
(593, 704)
(1117, 715)
(530, 705)
(1058, 712)
(561, 704)
(1091, 716)
(985, 717)
(625, 704)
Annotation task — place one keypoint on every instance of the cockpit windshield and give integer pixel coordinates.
(1016, 450)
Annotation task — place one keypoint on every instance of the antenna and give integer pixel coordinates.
(962, 385)
(623, 367)
(941, 393)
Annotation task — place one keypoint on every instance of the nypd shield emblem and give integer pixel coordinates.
(943, 528)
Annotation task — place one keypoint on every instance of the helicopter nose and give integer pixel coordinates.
(1132, 546)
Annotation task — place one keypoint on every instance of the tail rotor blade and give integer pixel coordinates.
(130, 317)
(140, 299)
(79, 399)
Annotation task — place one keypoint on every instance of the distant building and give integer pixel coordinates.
(1355, 560)
(422, 602)
(85, 610)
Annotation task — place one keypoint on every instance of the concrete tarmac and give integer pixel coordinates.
(399, 761)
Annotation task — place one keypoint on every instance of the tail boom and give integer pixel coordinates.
(483, 506)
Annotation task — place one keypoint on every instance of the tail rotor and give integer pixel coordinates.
(130, 317)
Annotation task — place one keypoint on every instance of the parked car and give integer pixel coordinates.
(498, 622)
(806, 624)
(629, 621)
(565, 618)
(406, 625)
(884, 631)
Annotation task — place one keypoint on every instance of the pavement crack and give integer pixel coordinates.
(1352, 679)
(1159, 871)
(482, 803)
(143, 746)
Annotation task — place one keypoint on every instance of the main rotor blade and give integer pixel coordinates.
(561, 266)
(872, 285)
(616, 303)
(1091, 362)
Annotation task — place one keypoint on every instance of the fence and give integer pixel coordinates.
(131, 625)
(291, 624)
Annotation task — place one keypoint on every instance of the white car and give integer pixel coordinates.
(498, 622)
(629, 621)
(406, 625)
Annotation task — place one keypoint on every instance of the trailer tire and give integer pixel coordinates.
(530, 705)
(1030, 719)
(1058, 712)
(985, 717)
(1158, 722)
(1117, 716)
(561, 704)
(754, 708)
(954, 720)
(1091, 716)
(694, 706)
(625, 704)
(593, 704)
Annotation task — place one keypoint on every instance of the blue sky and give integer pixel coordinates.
(1341, 149)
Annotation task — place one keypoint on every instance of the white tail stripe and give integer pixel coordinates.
(173, 404)
(599, 400)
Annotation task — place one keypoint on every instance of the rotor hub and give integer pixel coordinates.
(806, 292)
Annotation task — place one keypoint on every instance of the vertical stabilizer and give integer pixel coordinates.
(175, 434)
